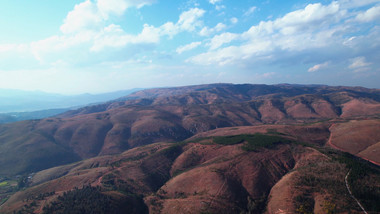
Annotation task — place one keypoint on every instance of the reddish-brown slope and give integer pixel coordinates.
(359, 107)
(281, 197)
(172, 114)
(358, 137)
(130, 166)
(223, 183)
(203, 176)
(315, 133)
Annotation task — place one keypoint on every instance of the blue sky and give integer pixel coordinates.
(78, 46)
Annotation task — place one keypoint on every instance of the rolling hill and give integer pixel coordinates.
(248, 173)
(175, 114)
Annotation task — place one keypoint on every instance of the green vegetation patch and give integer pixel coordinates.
(364, 181)
(253, 142)
(173, 151)
(93, 200)
(7, 188)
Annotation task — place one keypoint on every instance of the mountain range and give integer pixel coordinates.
(17, 105)
(217, 148)
(22, 101)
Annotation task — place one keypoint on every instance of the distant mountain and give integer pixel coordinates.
(173, 114)
(30, 115)
(26, 101)
(229, 93)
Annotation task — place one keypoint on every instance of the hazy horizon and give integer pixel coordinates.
(100, 46)
(22, 92)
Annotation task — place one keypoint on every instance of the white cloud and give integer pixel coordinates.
(221, 39)
(84, 16)
(308, 28)
(188, 47)
(369, 15)
(169, 29)
(214, 1)
(231, 54)
(118, 7)
(318, 67)
(359, 64)
(220, 27)
(311, 36)
(313, 16)
(250, 11)
(149, 34)
(73, 46)
(107, 7)
(189, 20)
(82, 42)
(89, 16)
(208, 31)
(111, 36)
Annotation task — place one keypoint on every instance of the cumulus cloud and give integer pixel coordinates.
(112, 36)
(209, 31)
(107, 7)
(308, 28)
(84, 16)
(68, 47)
(370, 15)
(83, 39)
(89, 15)
(318, 35)
(188, 47)
(219, 40)
(311, 17)
(189, 20)
(318, 67)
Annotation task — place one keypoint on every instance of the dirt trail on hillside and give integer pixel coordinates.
(349, 191)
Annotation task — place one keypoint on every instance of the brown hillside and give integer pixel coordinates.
(172, 114)
(201, 176)
(358, 137)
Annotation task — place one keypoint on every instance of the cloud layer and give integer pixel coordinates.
(342, 35)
